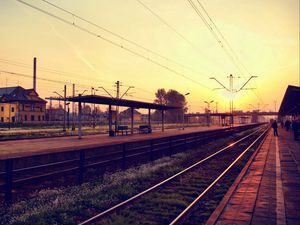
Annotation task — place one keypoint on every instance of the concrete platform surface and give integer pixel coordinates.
(269, 190)
(29, 147)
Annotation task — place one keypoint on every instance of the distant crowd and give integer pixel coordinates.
(288, 125)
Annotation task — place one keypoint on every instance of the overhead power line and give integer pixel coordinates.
(122, 38)
(225, 45)
(112, 42)
(50, 70)
(215, 35)
(30, 76)
(64, 73)
(223, 37)
(60, 82)
(167, 24)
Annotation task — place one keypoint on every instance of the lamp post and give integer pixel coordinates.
(189, 111)
(64, 116)
(93, 92)
(208, 111)
(79, 95)
(186, 94)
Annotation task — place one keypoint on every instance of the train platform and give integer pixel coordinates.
(268, 189)
(30, 147)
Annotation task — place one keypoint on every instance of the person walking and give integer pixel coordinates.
(287, 125)
(274, 126)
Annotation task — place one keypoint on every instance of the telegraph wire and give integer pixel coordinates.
(112, 43)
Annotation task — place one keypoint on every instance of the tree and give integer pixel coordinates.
(160, 97)
(173, 98)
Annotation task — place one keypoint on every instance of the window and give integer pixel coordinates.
(43, 118)
(2, 108)
(32, 117)
(12, 109)
(39, 118)
(13, 119)
(25, 117)
(2, 119)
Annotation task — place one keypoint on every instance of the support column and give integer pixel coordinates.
(79, 119)
(131, 114)
(162, 120)
(50, 110)
(109, 119)
(65, 95)
(149, 118)
(73, 108)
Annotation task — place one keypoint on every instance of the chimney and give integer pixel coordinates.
(34, 73)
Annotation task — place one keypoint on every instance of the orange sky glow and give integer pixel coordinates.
(263, 37)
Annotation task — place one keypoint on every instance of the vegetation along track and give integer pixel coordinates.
(173, 200)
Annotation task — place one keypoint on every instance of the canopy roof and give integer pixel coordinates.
(97, 99)
(290, 104)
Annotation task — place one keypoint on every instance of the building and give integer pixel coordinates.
(125, 115)
(19, 105)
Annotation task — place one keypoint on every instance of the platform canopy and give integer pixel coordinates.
(290, 104)
(97, 99)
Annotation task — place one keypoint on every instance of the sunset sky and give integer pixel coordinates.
(263, 34)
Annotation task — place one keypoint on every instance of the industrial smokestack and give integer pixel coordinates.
(34, 73)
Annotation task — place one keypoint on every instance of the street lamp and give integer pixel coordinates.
(208, 111)
(186, 94)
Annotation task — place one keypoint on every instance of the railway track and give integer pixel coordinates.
(19, 176)
(173, 200)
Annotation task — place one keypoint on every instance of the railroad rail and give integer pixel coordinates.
(16, 173)
(173, 183)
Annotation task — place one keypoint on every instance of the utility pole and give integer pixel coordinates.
(208, 111)
(73, 108)
(65, 95)
(231, 96)
(118, 89)
(231, 90)
(117, 97)
(117, 107)
(34, 73)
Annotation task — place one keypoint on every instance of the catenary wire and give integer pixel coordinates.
(113, 43)
(148, 50)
